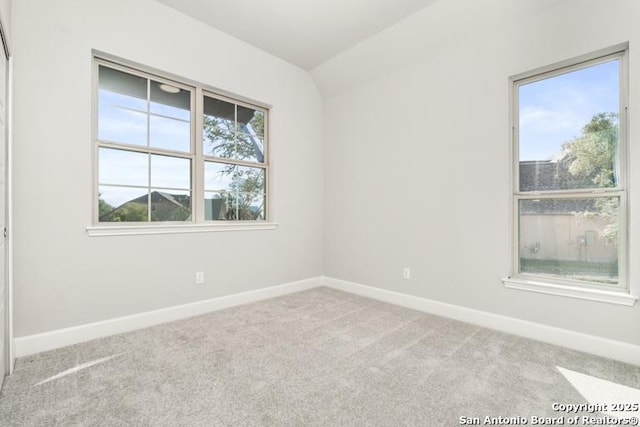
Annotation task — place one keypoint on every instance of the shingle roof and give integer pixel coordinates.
(550, 175)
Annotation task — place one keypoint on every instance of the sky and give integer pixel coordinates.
(123, 118)
(130, 120)
(554, 110)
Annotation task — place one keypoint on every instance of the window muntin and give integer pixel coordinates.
(235, 162)
(569, 198)
(149, 166)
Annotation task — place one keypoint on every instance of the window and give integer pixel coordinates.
(569, 199)
(171, 152)
(233, 150)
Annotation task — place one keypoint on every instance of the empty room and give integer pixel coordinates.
(329, 213)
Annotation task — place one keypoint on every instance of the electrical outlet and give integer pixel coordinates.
(199, 278)
(406, 273)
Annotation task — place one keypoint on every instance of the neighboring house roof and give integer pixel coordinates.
(550, 175)
(180, 200)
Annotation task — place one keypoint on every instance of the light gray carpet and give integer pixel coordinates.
(319, 357)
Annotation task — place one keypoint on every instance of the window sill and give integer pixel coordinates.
(621, 297)
(130, 230)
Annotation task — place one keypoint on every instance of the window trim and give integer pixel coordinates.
(620, 297)
(621, 293)
(175, 228)
(198, 91)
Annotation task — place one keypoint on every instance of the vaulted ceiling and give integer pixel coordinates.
(304, 33)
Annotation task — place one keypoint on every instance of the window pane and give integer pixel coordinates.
(234, 206)
(170, 172)
(123, 167)
(121, 204)
(170, 134)
(215, 206)
(250, 180)
(568, 129)
(251, 121)
(246, 207)
(250, 143)
(219, 128)
(222, 176)
(234, 192)
(170, 101)
(249, 148)
(574, 238)
(218, 176)
(256, 207)
(248, 189)
(170, 205)
(170, 120)
(122, 107)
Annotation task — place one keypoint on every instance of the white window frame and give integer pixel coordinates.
(620, 294)
(198, 91)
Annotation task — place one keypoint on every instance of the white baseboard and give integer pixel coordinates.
(31, 344)
(625, 352)
(599, 346)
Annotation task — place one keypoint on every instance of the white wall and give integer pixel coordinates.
(416, 161)
(63, 277)
(417, 152)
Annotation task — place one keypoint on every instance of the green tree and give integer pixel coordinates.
(103, 207)
(239, 142)
(591, 157)
(129, 212)
(244, 200)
